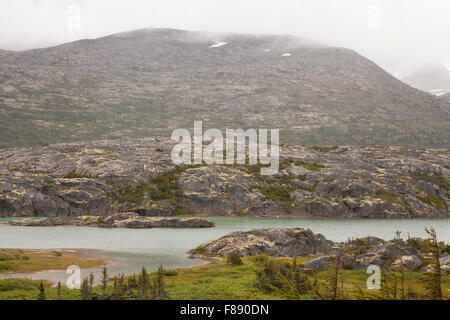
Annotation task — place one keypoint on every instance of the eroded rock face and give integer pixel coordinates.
(216, 190)
(273, 242)
(110, 176)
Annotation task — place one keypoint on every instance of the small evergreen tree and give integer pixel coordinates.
(119, 290)
(132, 284)
(402, 281)
(143, 284)
(433, 279)
(333, 279)
(59, 291)
(104, 282)
(91, 284)
(159, 288)
(41, 295)
(84, 290)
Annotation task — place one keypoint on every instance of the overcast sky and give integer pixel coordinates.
(400, 35)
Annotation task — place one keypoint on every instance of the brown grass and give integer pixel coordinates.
(32, 260)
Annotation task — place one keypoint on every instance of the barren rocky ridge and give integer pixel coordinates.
(137, 175)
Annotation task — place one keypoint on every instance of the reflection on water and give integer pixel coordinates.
(130, 249)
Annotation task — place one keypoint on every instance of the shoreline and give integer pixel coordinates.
(7, 219)
(53, 275)
(128, 261)
(24, 263)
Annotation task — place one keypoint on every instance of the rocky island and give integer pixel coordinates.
(119, 220)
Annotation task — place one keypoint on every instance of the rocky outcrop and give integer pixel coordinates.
(215, 190)
(120, 220)
(273, 242)
(322, 253)
(385, 254)
(137, 175)
(445, 264)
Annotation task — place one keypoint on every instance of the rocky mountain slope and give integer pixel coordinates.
(137, 175)
(149, 82)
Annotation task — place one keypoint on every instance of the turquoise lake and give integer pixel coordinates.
(130, 249)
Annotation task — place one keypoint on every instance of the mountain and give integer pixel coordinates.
(149, 82)
(435, 80)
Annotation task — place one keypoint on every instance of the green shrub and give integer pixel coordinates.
(348, 265)
(433, 200)
(5, 266)
(166, 186)
(73, 175)
(274, 192)
(260, 259)
(179, 211)
(285, 163)
(282, 277)
(386, 196)
(234, 259)
(432, 177)
(200, 251)
(170, 273)
(313, 166)
(5, 257)
(18, 284)
(131, 194)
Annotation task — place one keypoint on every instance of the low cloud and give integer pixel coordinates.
(399, 35)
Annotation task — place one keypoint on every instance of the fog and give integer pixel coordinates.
(399, 35)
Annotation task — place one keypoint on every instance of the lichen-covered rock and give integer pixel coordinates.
(356, 254)
(384, 254)
(217, 190)
(118, 220)
(445, 265)
(273, 242)
(109, 176)
(321, 263)
(411, 263)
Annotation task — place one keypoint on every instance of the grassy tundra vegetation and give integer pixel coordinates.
(258, 277)
(255, 277)
(22, 261)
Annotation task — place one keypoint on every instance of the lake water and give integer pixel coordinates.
(130, 249)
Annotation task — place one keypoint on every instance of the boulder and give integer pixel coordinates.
(273, 242)
(384, 254)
